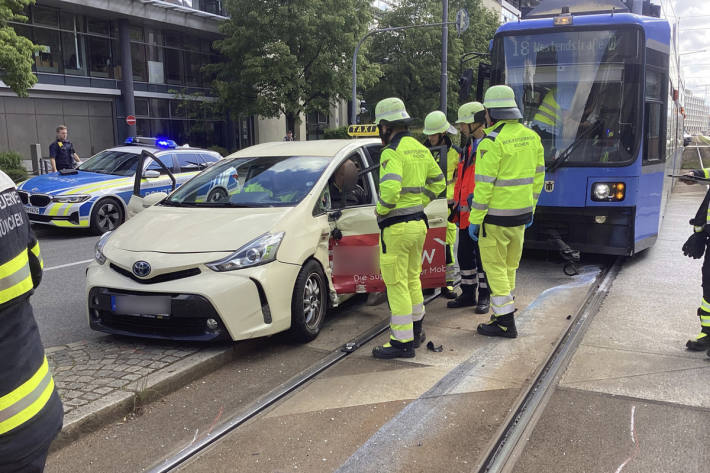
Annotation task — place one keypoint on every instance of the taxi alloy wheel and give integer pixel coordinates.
(309, 302)
(107, 215)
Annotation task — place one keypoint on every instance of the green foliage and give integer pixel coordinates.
(219, 149)
(411, 59)
(16, 52)
(290, 56)
(11, 164)
(336, 133)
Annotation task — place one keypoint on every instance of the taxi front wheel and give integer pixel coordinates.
(106, 215)
(309, 303)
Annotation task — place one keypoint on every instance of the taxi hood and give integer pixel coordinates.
(194, 230)
(56, 183)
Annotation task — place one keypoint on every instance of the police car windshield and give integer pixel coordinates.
(119, 163)
(278, 181)
(579, 88)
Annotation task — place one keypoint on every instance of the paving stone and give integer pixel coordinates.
(132, 377)
(90, 396)
(104, 390)
(76, 402)
(117, 383)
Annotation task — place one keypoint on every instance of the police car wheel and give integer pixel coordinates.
(107, 215)
(217, 195)
(309, 302)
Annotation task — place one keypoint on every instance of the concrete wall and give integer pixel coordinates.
(270, 129)
(24, 121)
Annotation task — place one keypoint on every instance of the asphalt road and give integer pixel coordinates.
(58, 303)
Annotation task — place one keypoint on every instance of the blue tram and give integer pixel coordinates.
(601, 89)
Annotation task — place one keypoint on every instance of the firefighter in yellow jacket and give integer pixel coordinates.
(30, 410)
(437, 128)
(409, 180)
(510, 171)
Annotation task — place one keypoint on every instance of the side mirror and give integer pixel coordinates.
(334, 215)
(154, 198)
(151, 174)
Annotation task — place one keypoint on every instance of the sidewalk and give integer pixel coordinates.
(102, 380)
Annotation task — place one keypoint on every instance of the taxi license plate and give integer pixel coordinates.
(31, 210)
(144, 306)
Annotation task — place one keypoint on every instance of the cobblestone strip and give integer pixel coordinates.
(85, 372)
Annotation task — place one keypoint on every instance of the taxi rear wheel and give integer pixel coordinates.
(107, 215)
(309, 302)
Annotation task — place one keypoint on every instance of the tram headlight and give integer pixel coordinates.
(608, 191)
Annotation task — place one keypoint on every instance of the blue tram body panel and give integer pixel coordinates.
(537, 59)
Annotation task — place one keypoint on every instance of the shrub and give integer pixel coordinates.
(336, 133)
(17, 174)
(10, 160)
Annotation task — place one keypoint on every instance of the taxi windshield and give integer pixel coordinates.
(118, 163)
(278, 181)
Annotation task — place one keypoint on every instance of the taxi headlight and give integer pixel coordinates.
(99, 248)
(260, 251)
(71, 198)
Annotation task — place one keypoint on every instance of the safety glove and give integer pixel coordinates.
(695, 246)
(473, 231)
(529, 224)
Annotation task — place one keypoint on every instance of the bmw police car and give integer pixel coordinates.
(96, 195)
(262, 242)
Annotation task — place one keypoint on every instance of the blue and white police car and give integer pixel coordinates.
(96, 195)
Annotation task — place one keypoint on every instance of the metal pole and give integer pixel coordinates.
(353, 114)
(444, 54)
(129, 105)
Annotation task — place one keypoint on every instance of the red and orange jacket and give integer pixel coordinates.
(465, 183)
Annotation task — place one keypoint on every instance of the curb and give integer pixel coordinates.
(88, 418)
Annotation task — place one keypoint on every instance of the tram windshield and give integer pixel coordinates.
(579, 90)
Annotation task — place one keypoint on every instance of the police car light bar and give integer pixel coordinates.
(157, 142)
(363, 130)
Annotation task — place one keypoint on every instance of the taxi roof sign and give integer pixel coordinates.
(363, 130)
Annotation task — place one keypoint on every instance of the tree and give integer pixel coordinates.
(411, 59)
(16, 52)
(290, 56)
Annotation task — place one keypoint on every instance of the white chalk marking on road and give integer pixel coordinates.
(633, 440)
(69, 264)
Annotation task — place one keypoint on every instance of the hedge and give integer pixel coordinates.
(11, 163)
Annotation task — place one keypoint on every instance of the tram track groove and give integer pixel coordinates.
(513, 434)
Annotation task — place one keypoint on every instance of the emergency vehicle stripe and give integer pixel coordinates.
(27, 400)
(391, 177)
(54, 209)
(15, 277)
(36, 252)
(509, 212)
(385, 204)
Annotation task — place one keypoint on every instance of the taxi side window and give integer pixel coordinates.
(166, 159)
(359, 195)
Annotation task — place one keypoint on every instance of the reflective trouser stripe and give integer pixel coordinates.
(22, 404)
(482, 281)
(15, 277)
(35, 251)
(418, 312)
(705, 320)
(705, 306)
(468, 277)
(401, 269)
(501, 249)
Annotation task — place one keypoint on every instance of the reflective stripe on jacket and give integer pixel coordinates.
(510, 172)
(409, 178)
(452, 162)
(548, 113)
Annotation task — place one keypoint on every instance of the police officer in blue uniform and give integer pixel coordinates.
(62, 153)
(30, 410)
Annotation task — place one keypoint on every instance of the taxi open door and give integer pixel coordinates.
(354, 238)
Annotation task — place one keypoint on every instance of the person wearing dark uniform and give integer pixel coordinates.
(30, 410)
(62, 153)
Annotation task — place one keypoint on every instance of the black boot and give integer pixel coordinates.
(484, 302)
(394, 349)
(419, 335)
(466, 299)
(502, 326)
(448, 292)
(702, 341)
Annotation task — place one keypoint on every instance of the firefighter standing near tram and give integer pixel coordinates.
(510, 171)
(471, 121)
(437, 128)
(409, 180)
(30, 410)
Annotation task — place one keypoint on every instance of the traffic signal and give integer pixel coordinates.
(465, 82)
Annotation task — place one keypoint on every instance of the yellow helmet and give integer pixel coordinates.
(472, 112)
(391, 110)
(436, 123)
(501, 104)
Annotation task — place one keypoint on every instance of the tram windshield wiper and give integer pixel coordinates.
(567, 152)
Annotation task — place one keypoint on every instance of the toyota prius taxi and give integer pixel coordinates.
(261, 242)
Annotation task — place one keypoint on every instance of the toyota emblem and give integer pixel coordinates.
(141, 268)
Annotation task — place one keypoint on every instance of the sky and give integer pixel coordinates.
(693, 17)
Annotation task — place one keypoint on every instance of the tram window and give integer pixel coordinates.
(654, 146)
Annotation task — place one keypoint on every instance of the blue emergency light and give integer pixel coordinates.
(157, 142)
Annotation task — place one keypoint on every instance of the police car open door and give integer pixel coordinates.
(148, 187)
(354, 238)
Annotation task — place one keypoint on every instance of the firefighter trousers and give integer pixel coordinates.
(704, 312)
(401, 269)
(501, 249)
(472, 271)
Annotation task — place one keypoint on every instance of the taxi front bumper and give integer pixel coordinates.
(203, 304)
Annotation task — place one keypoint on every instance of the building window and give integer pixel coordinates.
(45, 16)
(48, 57)
(193, 66)
(99, 56)
(140, 69)
(174, 67)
